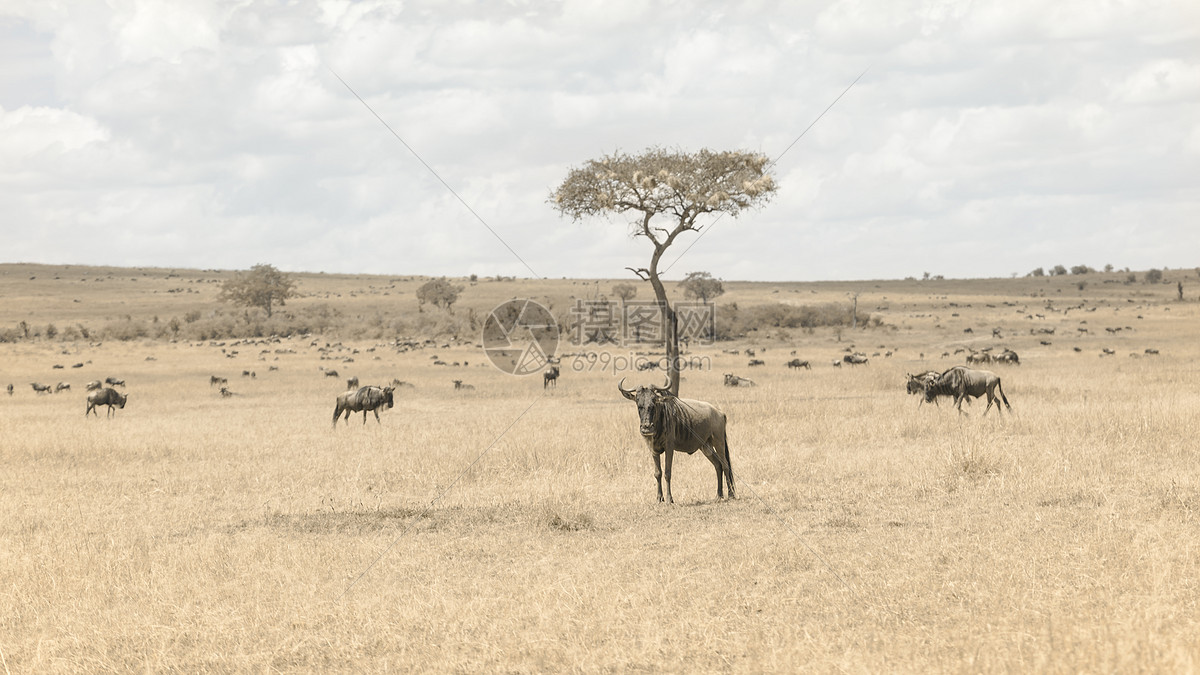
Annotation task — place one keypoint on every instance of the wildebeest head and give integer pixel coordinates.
(387, 396)
(649, 399)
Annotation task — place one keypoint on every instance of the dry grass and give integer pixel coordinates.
(508, 530)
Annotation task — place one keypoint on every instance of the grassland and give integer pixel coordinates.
(512, 529)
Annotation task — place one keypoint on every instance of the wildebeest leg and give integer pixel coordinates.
(364, 417)
(657, 473)
(337, 412)
(376, 417)
(670, 454)
(711, 453)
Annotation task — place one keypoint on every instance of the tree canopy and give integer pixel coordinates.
(624, 291)
(701, 286)
(262, 286)
(439, 293)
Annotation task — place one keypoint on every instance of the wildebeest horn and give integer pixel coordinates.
(627, 393)
(665, 387)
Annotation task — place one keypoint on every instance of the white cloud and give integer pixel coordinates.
(217, 135)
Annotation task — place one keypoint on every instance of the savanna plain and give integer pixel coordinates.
(512, 528)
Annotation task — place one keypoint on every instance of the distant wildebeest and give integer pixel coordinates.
(40, 388)
(647, 365)
(1007, 356)
(225, 393)
(961, 382)
(61, 386)
(797, 363)
(756, 362)
(550, 377)
(245, 373)
(106, 396)
(364, 399)
(10, 389)
(352, 383)
(1148, 351)
(214, 380)
(979, 357)
(398, 383)
(331, 373)
(732, 380)
(458, 384)
(114, 382)
(93, 385)
(669, 424)
(855, 359)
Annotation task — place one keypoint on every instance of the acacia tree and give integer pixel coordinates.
(262, 286)
(439, 293)
(701, 286)
(625, 292)
(667, 192)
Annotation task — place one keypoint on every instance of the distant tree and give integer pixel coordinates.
(439, 293)
(1131, 278)
(925, 276)
(51, 331)
(1058, 271)
(1108, 268)
(1081, 269)
(1039, 272)
(262, 286)
(668, 193)
(625, 292)
(701, 286)
(1154, 277)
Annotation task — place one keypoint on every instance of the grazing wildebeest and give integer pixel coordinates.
(93, 385)
(797, 363)
(1007, 356)
(352, 383)
(10, 389)
(213, 380)
(732, 380)
(962, 382)
(365, 399)
(40, 388)
(979, 357)
(458, 384)
(397, 383)
(106, 396)
(112, 381)
(550, 377)
(756, 362)
(331, 373)
(669, 424)
(854, 359)
(61, 386)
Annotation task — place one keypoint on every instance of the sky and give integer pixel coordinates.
(983, 139)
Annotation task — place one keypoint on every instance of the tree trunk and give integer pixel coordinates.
(670, 323)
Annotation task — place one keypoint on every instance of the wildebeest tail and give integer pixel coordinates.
(1000, 390)
(728, 462)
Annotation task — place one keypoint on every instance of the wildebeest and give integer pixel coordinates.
(979, 357)
(756, 362)
(732, 380)
(212, 380)
(962, 382)
(365, 399)
(106, 396)
(225, 393)
(797, 363)
(397, 383)
(458, 384)
(854, 359)
(112, 381)
(550, 377)
(331, 373)
(61, 386)
(1007, 356)
(40, 388)
(352, 383)
(10, 389)
(93, 385)
(669, 424)
(919, 384)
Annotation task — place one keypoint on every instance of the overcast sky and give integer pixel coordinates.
(985, 139)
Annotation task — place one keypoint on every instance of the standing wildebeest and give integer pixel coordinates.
(40, 388)
(212, 380)
(854, 359)
(112, 381)
(331, 373)
(352, 383)
(10, 389)
(962, 382)
(756, 362)
(106, 396)
(93, 385)
(365, 399)
(797, 363)
(459, 385)
(669, 424)
(550, 376)
(61, 386)
(919, 384)
(1007, 356)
